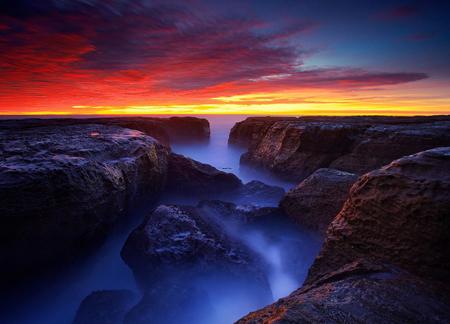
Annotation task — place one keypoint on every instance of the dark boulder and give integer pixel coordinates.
(183, 258)
(259, 194)
(317, 200)
(190, 178)
(105, 307)
(180, 242)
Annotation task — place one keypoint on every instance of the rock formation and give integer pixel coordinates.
(316, 200)
(180, 238)
(187, 177)
(398, 214)
(295, 148)
(386, 257)
(191, 181)
(105, 307)
(62, 188)
(165, 130)
(258, 193)
(359, 293)
(175, 252)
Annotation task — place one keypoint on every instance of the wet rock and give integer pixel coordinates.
(181, 241)
(397, 214)
(182, 257)
(258, 193)
(295, 148)
(62, 188)
(318, 199)
(359, 293)
(190, 178)
(242, 214)
(105, 307)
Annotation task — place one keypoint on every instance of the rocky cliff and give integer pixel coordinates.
(63, 187)
(386, 255)
(295, 147)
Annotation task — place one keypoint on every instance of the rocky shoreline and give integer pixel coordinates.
(376, 190)
(293, 148)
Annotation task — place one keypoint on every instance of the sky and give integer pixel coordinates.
(277, 57)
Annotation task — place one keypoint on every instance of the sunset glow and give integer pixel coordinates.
(154, 58)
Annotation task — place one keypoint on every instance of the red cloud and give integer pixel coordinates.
(156, 54)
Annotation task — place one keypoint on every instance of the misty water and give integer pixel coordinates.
(287, 250)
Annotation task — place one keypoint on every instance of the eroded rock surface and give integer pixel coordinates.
(398, 214)
(386, 255)
(63, 187)
(295, 148)
(359, 293)
(317, 200)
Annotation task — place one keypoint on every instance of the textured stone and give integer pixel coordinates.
(318, 199)
(295, 148)
(62, 188)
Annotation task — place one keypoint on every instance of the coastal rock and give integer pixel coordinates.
(180, 257)
(386, 256)
(248, 133)
(172, 304)
(359, 293)
(241, 214)
(318, 199)
(62, 188)
(258, 193)
(165, 130)
(294, 148)
(190, 178)
(397, 214)
(105, 307)
(181, 241)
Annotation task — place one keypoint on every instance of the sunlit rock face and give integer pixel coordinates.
(398, 214)
(249, 132)
(317, 200)
(360, 293)
(295, 148)
(386, 254)
(165, 130)
(63, 188)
